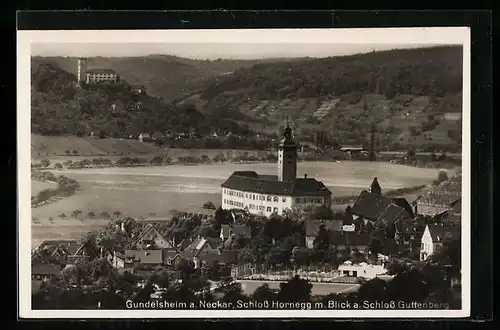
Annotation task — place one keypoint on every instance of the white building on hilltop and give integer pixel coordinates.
(268, 194)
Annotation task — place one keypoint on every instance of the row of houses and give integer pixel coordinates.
(441, 206)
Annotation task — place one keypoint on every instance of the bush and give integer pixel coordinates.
(442, 176)
(105, 215)
(209, 206)
(58, 166)
(62, 215)
(91, 214)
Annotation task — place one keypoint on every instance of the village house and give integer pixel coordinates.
(55, 251)
(44, 272)
(151, 238)
(236, 232)
(82, 254)
(342, 240)
(440, 199)
(434, 237)
(372, 206)
(362, 270)
(312, 228)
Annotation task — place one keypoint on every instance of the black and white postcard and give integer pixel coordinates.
(317, 173)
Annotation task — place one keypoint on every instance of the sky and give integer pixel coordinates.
(211, 50)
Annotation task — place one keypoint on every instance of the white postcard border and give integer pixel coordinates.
(424, 35)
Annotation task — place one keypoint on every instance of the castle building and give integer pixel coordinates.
(82, 69)
(268, 194)
(94, 76)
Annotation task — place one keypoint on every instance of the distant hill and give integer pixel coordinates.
(165, 76)
(408, 93)
(60, 107)
(414, 96)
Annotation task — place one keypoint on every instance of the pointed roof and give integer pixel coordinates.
(149, 228)
(370, 206)
(375, 187)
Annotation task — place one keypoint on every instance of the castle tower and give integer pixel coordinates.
(287, 157)
(82, 69)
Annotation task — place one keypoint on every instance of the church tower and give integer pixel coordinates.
(82, 70)
(287, 157)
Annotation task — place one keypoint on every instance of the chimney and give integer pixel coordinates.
(305, 176)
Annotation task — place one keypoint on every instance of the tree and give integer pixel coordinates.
(263, 293)
(209, 205)
(76, 213)
(442, 176)
(322, 240)
(91, 214)
(117, 214)
(296, 290)
(372, 290)
(45, 162)
(233, 292)
(105, 215)
(58, 166)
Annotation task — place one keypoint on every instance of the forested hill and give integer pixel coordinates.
(424, 71)
(60, 107)
(165, 76)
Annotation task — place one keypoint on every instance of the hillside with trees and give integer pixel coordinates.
(409, 94)
(164, 76)
(61, 107)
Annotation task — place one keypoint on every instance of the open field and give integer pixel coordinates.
(37, 186)
(318, 289)
(58, 228)
(50, 146)
(139, 192)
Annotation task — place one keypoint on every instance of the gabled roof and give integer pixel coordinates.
(392, 214)
(71, 246)
(45, 269)
(97, 70)
(204, 244)
(446, 193)
(403, 202)
(370, 206)
(312, 226)
(252, 182)
(151, 228)
(440, 233)
(145, 256)
(431, 209)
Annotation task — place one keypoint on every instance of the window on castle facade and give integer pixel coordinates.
(269, 209)
(269, 198)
